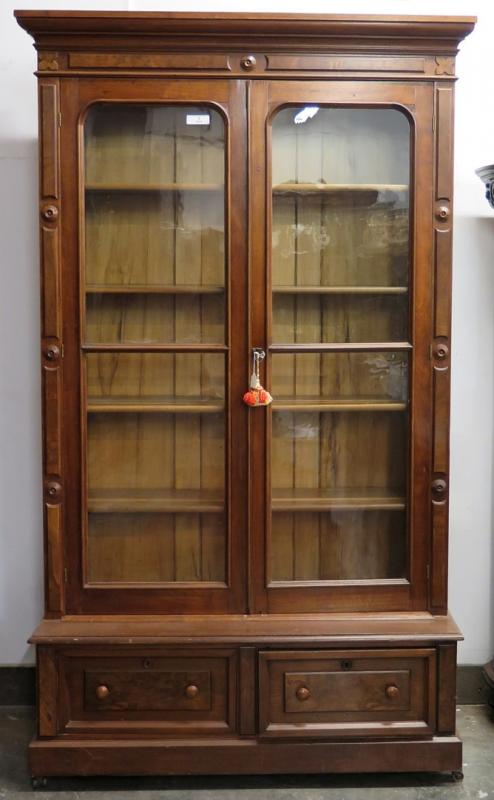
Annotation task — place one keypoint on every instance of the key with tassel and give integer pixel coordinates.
(257, 395)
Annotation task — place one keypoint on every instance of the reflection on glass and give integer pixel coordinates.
(340, 264)
(304, 318)
(153, 318)
(156, 547)
(154, 224)
(154, 272)
(342, 379)
(147, 382)
(338, 546)
(156, 466)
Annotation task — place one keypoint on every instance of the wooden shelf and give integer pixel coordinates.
(338, 188)
(126, 501)
(154, 405)
(338, 347)
(149, 288)
(322, 404)
(154, 187)
(339, 289)
(337, 500)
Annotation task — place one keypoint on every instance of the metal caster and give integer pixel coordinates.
(457, 775)
(39, 783)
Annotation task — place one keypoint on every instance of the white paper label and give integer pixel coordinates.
(198, 119)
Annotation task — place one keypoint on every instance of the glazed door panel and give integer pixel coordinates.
(160, 511)
(341, 197)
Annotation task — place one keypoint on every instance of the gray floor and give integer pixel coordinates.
(475, 724)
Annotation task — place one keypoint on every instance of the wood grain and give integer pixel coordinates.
(346, 693)
(48, 107)
(187, 251)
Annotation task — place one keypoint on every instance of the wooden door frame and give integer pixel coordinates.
(416, 101)
(229, 96)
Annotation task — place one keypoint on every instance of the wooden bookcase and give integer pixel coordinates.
(234, 589)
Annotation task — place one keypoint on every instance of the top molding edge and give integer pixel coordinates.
(370, 29)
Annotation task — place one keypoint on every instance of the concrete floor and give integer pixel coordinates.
(475, 725)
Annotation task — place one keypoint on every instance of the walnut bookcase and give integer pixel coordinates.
(233, 589)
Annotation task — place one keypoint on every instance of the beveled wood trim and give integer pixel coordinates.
(446, 688)
(328, 629)
(52, 345)
(259, 238)
(51, 299)
(47, 683)
(168, 61)
(444, 138)
(421, 388)
(48, 109)
(239, 757)
(54, 558)
(439, 582)
(247, 691)
(440, 344)
(52, 395)
(442, 282)
(440, 450)
(343, 63)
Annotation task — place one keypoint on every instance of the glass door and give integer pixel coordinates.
(156, 348)
(339, 330)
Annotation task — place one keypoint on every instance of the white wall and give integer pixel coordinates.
(471, 552)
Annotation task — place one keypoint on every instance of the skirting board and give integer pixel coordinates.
(17, 686)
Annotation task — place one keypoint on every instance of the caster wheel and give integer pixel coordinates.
(39, 783)
(457, 775)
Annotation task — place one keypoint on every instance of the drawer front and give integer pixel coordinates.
(162, 692)
(347, 693)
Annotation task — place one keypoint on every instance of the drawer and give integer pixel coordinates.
(156, 691)
(348, 693)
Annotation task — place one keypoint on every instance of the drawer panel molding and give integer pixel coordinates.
(347, 693)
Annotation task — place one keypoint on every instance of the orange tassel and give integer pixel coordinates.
(257, 397)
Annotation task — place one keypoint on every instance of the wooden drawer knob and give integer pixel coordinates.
(191, 691)
(302, 693)
(102, 692)
(392, 691)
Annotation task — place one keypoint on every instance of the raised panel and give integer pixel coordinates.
(147, 690)
(171, 61)
(357, 691)
(48, 102)
(347, 693)
(343, 63)
(161, 691)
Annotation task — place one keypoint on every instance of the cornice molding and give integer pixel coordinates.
(149, 30)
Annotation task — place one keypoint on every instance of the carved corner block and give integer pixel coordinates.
(444, 65)
(48, 61)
